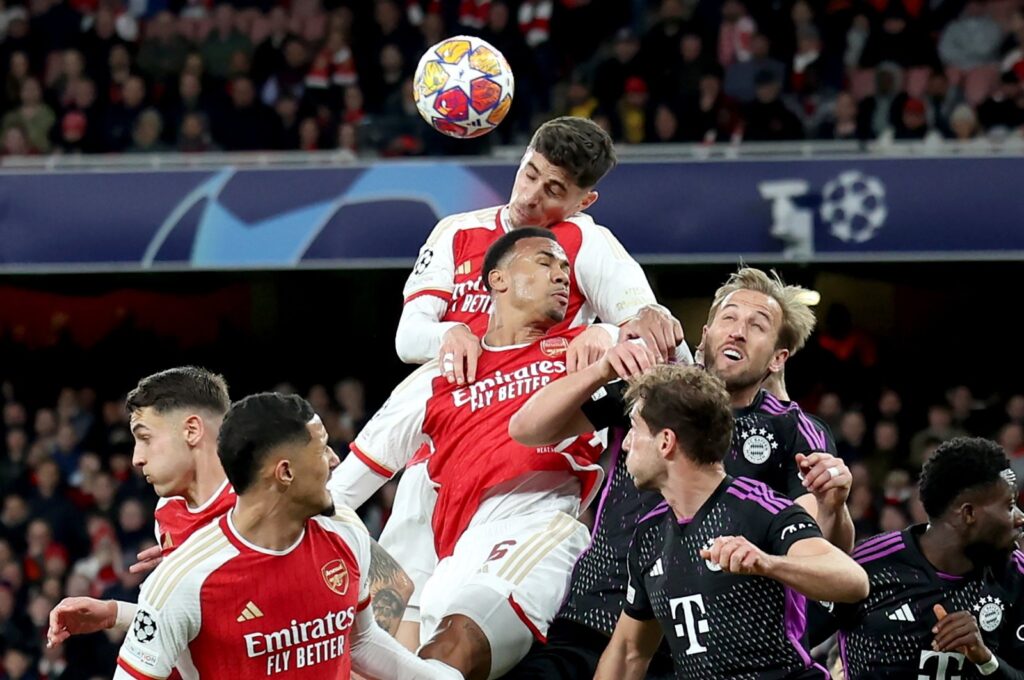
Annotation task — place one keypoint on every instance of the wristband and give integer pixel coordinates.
(989, 667)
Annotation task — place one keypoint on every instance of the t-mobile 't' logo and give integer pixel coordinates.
(694, 625)
(944, 662)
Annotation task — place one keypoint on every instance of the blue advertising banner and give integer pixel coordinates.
(378, 215)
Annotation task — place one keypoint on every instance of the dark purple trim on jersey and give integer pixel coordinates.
(1018, 560)
(873, 541)
(842, 653)
(750, 490)
(948, 577)
(616, 447)
(795, 621)
(659, 509)
(879, 550)
(814, 436)
(683, 521)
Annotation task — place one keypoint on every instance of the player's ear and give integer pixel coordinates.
(778, 360)
(667, 441)
(496, 280)
(283, 473)
(588, 201)
(194, 428)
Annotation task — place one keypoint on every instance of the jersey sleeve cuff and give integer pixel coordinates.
(445, 295)
(379, 468)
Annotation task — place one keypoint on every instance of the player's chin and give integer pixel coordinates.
(329, 510)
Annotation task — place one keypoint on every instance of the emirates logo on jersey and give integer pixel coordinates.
(336, 576)
(554, 347)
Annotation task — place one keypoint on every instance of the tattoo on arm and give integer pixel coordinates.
(390, 588)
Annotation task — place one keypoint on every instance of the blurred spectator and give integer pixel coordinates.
(885, 453)
(162, 52)
(32, 116)
(741, 77)
(631, 111)
(850, 439)
(709, 116)
(767, 118)
(735, 34)
(120, 120)
(146, 133)
(971, 40)
(941, 101)
(912, 122)
(940, 428)
(269, 55)
(841, 121)
(194, 135)
(878, 113)
(247, 124)
(612, 74)
(222, 42)
(1003, 110)
(899, 32)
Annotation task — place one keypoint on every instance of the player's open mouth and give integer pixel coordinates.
(732, 354)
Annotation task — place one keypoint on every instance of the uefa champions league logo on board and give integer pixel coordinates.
(853, 205)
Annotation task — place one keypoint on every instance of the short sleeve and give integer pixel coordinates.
(392, 436)
(607, 406)
(612, 281)
(158, 635)
(434, 270)
(789, 526)
(637, 604)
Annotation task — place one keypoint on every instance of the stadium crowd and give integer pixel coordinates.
(143, 76)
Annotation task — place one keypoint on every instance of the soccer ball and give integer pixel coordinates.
(463, 87)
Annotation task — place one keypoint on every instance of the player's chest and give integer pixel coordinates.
(506, 380)
(758, 444)
(903, 604)
(281, 618)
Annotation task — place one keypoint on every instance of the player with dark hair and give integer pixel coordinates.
(447, 308)
(504, 524)
(279, 584)
(720, 568)
(946, 599)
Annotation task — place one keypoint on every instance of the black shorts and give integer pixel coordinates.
(571, 653)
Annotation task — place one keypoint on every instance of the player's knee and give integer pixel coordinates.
(460, 643)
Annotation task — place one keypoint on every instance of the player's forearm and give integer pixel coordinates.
(378, 655)
(620, 662)
(353, 482)
(837, 526)
(831, 576)
(420, 330)
(553, 413)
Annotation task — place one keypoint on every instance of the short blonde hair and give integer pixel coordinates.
(797, 317)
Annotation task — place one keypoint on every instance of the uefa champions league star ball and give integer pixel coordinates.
(463, 87)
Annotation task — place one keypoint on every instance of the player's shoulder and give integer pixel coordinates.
(485, 218)
(754, 498)
(651, 521)
(344, 521)
(183, 572)
(883, 550)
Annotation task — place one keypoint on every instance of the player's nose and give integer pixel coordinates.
(138, 460)
(334, 461)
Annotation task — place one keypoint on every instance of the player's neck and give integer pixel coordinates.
(509, 328)
(942, 547)
(690, 486)
(208, 479)
(267, 522)
(743, 397)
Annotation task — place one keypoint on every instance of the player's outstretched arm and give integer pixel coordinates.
(554, 412)
(812, 566)
(390, 588)
(630, 649)
(828, 481)
(376, 654)
(84, 615)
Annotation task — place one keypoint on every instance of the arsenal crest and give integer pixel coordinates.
(554, 347)
(336, 576)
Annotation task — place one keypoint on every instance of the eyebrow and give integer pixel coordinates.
(138, 426)
(556, 258)
(756, 311)
(556, 182)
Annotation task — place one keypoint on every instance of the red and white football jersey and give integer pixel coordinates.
(221, 607)
(176, 521)
(467, 428)
(606, 281)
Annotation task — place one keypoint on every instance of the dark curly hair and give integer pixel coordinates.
(503, 246)
(959, 465)
(577, 145)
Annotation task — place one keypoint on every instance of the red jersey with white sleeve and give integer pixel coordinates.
(221, 607)
(176, 521)
(467, 428)
(606, 281)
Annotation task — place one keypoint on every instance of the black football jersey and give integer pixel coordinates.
(768, 435)
(889, 634)
(721, 625)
